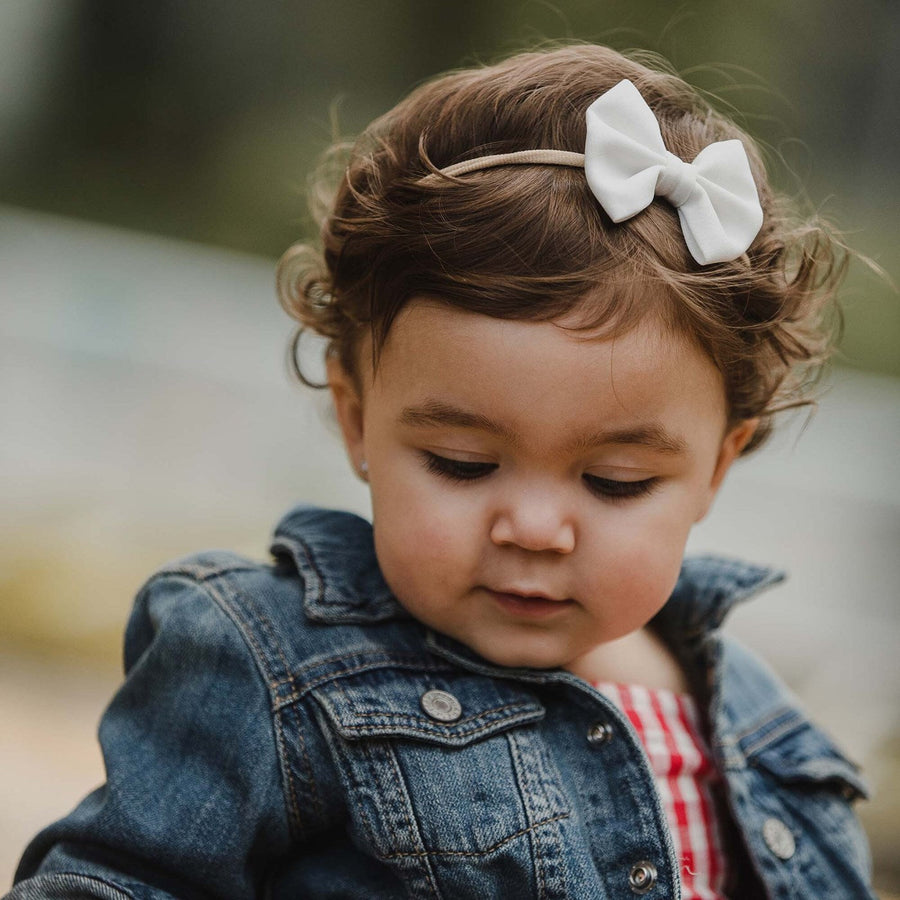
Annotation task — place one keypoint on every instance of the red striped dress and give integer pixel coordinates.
(669, 727)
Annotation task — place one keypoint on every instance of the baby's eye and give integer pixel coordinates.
(619, 490)
(456, 469)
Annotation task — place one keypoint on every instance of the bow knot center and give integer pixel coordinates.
(676, 180)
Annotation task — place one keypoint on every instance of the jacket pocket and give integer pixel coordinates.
(794, 751)
(453, 780)
(797, 812)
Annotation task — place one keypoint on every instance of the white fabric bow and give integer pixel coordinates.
(626, 164)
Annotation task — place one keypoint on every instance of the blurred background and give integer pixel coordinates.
(153, 164)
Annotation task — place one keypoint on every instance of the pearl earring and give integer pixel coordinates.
(363, 468)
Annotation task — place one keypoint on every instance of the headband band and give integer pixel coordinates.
(519, 157)
(627, 164)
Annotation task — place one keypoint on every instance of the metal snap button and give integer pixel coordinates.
(778, 838)
(642, 877)
(600, 733)
(441, 706)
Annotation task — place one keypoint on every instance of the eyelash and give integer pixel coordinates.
(619, 490)
(459, 470)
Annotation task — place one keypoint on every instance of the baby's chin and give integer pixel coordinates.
(535, 653)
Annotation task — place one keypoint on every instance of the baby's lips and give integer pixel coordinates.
(520, 594)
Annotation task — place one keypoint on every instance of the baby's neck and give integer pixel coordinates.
(638, 658)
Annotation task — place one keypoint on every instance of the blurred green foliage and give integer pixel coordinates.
(203, 120)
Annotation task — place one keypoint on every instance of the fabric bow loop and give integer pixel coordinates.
(627, 164)
(677, 180)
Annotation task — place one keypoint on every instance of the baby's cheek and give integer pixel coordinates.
(415, 552)
(642, 573)
(425, 539)
(644, 587)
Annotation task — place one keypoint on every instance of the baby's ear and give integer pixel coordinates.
(347, 401)
(734, 441)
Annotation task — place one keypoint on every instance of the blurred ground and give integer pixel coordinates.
(146, 413)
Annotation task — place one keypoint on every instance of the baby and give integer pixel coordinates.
(560, 300)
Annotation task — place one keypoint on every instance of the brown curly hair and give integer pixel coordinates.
(531, 241)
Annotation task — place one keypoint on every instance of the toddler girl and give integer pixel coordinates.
(560, 300)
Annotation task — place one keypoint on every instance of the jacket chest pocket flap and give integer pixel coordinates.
(451, 710)
(436, 774)
(794, 751)
(804, 787)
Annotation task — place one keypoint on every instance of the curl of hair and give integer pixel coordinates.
(531, 242)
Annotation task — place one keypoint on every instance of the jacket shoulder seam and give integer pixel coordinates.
(210, 580)
(202, 568)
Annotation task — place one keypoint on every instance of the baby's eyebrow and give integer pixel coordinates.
(652, 436)
(435, 413)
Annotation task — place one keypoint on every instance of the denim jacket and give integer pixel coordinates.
(275, 736)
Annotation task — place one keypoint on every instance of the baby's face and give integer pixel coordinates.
(532, 490)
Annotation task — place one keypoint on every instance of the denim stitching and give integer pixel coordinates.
(487, 850)
(202, 572)
(390, 727)
(360, 808)
(790, 724)
(377, 770)
(450, 726)
(521, 769)
(761, 723)
(411, 823)
(293, 804)
(310, 558)
(267, 625)
(264, 621)
(234, 614)
(380, 659)
(301, 691)
(311, 562)
(48, 885)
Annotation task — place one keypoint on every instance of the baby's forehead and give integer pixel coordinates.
(436, 346)
(607, 312)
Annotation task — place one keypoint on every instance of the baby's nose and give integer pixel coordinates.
(533, 523)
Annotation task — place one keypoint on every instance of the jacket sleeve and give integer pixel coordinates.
(193, 802)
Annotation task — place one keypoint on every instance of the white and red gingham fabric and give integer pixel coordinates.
(668, 725)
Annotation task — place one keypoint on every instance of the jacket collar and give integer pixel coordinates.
(334, 553)
(708, 588)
